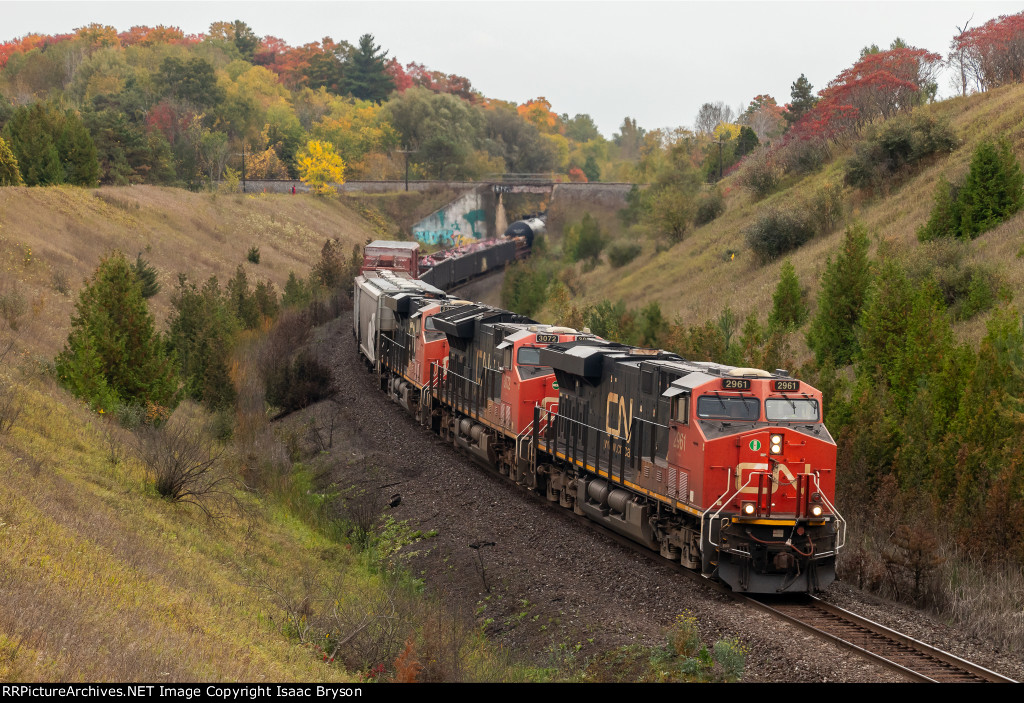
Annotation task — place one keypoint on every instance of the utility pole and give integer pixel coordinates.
(407, 152)
(243, 165)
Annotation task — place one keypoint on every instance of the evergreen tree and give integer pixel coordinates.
(245, 39)
(366, 76)
(265, 296)
(193, 81)
(844, 286)
(241, 300)
(945, 218)
(296, 293)
(52, 146)
(802, 99)
(591, 170)
(31, 135)
(9, 173)
(113, 353)
(145, 274)
(330, 268)
(905, 333)
(201, 330)
(985, 434)
(788, 308)
(77, 151)
(993, 191)
(746, 142)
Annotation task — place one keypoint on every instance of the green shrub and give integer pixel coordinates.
(621, 253)
(9, 173)
(760, 173)
(804, 155)
(965, 288)
(826, 208)
(525, 288)
(777, 231)
(584, 240)
(612, 321)
(892, 148)
(671, 212)
(253, 254)
(709, 207)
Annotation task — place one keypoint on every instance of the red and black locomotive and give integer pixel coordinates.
(729, 471)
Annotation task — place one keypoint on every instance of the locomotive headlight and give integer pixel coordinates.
(776, 444)
(816, 510)
(747, 508)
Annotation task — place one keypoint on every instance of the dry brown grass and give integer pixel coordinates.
(102, 580)
(50, 235)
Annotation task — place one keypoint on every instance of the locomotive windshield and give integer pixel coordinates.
(786, 410)
(528, 361)
(719, 407)
(430, 331)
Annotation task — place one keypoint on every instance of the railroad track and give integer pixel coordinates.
(915, 659)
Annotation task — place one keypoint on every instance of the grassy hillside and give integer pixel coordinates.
(696, 278)
(53, 238)
(101, 579)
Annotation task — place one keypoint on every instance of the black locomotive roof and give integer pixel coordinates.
(587, 358)
(465, 320)
(405, 302)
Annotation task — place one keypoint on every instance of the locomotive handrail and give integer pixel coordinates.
(750, 476)
(572, 445)
(840, 520)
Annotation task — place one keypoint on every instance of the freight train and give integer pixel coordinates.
(728, 471)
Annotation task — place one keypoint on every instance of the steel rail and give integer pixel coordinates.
(902, 653)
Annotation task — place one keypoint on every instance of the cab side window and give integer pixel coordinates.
(681, 409)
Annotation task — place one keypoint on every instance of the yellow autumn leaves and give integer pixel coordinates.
(320, 167)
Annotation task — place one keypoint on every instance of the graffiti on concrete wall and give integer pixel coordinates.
(460, 222)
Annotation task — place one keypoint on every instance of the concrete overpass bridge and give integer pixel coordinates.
(479, 211)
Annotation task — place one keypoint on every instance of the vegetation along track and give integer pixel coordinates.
(905, 654)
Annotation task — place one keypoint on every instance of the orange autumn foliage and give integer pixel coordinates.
(407, 667)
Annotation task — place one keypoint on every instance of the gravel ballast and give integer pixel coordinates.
(553, 585)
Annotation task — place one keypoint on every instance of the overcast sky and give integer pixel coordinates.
(654, 61)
